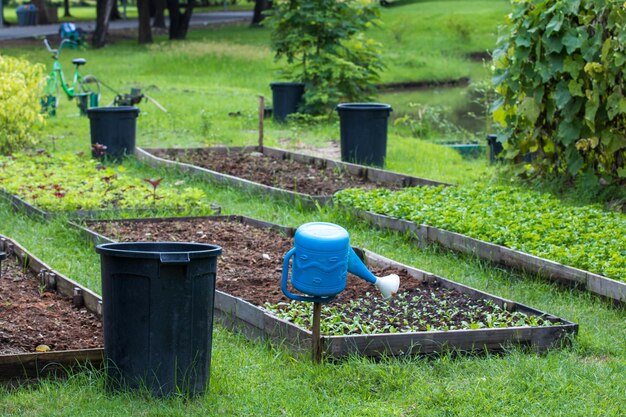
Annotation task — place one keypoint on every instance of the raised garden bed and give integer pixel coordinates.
(76, 185)
(283, 174)
(48, 323)
(249, 273)
(564, 274)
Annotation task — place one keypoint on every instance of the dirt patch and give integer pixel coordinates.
(422, 85)
(280, 173)
(30, 316)
(251, 268)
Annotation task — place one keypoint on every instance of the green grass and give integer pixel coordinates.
(220, 71)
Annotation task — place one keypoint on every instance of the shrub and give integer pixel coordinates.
(324, 45)
(560, 71)
(20, 109)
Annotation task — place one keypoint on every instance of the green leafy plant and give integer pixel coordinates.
(325, 47)
(559, 70)
(69, 182)
(411, 311)
(20, 111)
(584, 237)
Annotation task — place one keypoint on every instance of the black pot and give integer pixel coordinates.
(363, 128)
(115, 128)
(286, 99)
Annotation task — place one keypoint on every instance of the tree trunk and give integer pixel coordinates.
(259, 7)
(159, 14)
(145, 31)
(115, 12)
(179, 22)
(66, 8)
(103, 15)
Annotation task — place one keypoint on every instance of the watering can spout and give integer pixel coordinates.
(387, 285)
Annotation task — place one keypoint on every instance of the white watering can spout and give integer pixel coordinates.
(387, 285)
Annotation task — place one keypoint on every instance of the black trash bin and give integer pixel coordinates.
(286, 99)
(495, 148)
(158, 315)
(363, 128)
(27, 15)
(115, 128)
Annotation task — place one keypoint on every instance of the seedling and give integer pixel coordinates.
(154, 183)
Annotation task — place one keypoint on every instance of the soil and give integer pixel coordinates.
(30, 316)
(285, 174)
(251, 268)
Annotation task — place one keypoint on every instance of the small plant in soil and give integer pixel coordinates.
(154, 183)
(414, 310)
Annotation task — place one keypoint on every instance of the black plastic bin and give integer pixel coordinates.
(27, 15)
(158, 315)
(363, 128)
(114, 127)
(495, 148)
(286, 99)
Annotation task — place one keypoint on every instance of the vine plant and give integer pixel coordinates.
(560, 70)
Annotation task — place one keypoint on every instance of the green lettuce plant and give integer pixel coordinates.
(584, 237)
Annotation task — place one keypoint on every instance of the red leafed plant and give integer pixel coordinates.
(154, 183)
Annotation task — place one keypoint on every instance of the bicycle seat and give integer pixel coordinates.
(79, 61)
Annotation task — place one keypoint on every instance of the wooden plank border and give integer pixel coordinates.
(32, 365)
(563, 274)
(256, 323)
(372, 174)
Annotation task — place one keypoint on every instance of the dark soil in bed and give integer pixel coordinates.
(284, 174)
(251, 267)
(30, 316)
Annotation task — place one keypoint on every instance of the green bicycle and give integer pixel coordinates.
(85, 88)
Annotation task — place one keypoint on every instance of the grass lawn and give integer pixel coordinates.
(220, 71)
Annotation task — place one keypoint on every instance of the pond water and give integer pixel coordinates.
(454, 114)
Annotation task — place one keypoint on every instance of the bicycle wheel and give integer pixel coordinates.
(89, 88)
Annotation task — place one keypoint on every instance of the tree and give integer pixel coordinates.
(103, 16)
(66, 8)
(324, 44)
(179, 22)
(145, 31)
(259, 7)
(159, 13)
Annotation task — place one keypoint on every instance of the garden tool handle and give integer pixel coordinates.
(283, 284)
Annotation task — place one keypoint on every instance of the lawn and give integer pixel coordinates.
(210, 85)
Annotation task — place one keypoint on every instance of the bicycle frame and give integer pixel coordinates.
(56, 80)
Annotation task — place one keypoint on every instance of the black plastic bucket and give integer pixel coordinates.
(158, 315)
(115, 128)
(286, 99)
(363, 128)
(495, 148)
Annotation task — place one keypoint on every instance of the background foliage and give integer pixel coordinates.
(325, 47)
(560, 70)
(20, 115)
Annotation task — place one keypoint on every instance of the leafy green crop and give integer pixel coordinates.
(560, 70)
(539, 224)
(415, 311)
(69, 182)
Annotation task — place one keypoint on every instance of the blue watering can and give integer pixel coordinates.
(322, 258)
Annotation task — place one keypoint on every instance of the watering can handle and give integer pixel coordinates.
(283, 285)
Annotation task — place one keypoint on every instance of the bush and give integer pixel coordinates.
(560, 71)
(20, 108)
(324, 45)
